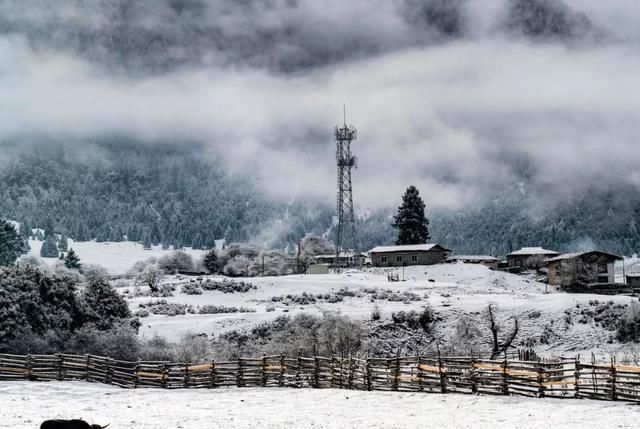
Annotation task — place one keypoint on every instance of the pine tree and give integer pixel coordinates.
(146, 241)
(49, 247)
(72, 260)
(12, 245)
(411, 222)
(211, 261)
(63, 244)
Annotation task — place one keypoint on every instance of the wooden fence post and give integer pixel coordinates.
(613, 379)
(239, 375)
(396, 371)
(263, 369)
(441, 371)
(88, 363)
(505, 375)
(298, 376)
(281, 374)
(577, 376)
(60, 363)
(473, 375)
(185, 379)
(136, 372)
(316, 369)
(109, 374)
(541, 387)
(165, 375)
(212, 374)
(27, 367)
(368, 373)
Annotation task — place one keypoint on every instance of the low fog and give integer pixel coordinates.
(459, 98)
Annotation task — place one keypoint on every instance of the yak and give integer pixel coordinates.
(69, 424)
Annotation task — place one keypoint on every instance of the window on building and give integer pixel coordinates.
(518, 263)
(414, 258)
(602, 268)
(398, 258)
(383, 259)
(603, 279)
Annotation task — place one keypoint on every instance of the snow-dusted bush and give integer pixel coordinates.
(176, 261)
(312, 246)
(191, 289)
(32, 260)
(238, 266)
(165, 308)
(147, 273)
(227, 286)
(629, 328)
(221, 309)
(247, 260)
(328, 334)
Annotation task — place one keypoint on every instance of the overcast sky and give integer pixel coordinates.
(456, 97)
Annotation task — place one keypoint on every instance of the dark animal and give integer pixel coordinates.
(69, 424)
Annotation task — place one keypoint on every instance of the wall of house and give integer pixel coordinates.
(422, 258)
(570, 272)
(527, 262)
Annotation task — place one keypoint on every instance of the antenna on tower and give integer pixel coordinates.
(346, 240)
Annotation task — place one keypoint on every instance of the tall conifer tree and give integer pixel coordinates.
(411, 222)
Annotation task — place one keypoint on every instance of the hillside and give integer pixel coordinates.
(550, 321)
(183, 195)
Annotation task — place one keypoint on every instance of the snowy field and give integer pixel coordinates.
(117, 258)
(24, 405)
(452, 290)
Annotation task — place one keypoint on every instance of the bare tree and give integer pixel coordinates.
(498, 348)
(150, 275)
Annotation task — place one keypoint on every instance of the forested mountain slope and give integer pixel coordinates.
(181, 194)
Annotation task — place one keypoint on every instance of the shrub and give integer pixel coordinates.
(165, 308)
(227, 286)
(375, 313)
(219, 309)
(175, 262)
(629, 328)
(191, 289)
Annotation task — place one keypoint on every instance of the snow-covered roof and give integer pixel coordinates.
(405, 248)
(474, 257)
(342, 255)
(578, 254)
(526, 251)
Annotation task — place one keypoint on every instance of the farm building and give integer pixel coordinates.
(633, 280)
(411, 254)
(489, 261)
(586, 268)
(345, 259)
(529, 258)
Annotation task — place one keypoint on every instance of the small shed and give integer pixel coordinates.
(633, 280)
(346, 259)
(582, 269)
(410, 254)
(529, 258)
(489, 261)
(318, 269)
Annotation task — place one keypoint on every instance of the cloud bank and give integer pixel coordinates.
(460, 98)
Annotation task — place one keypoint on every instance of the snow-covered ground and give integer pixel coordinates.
(454, 291)
(117, 258)
(24, 405)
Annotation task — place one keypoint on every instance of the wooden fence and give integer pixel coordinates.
(563, 378)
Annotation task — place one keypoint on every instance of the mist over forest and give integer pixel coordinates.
(194, 120)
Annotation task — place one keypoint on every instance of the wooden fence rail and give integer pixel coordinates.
(564, 378)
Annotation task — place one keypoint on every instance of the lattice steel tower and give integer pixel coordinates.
(346, 228)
